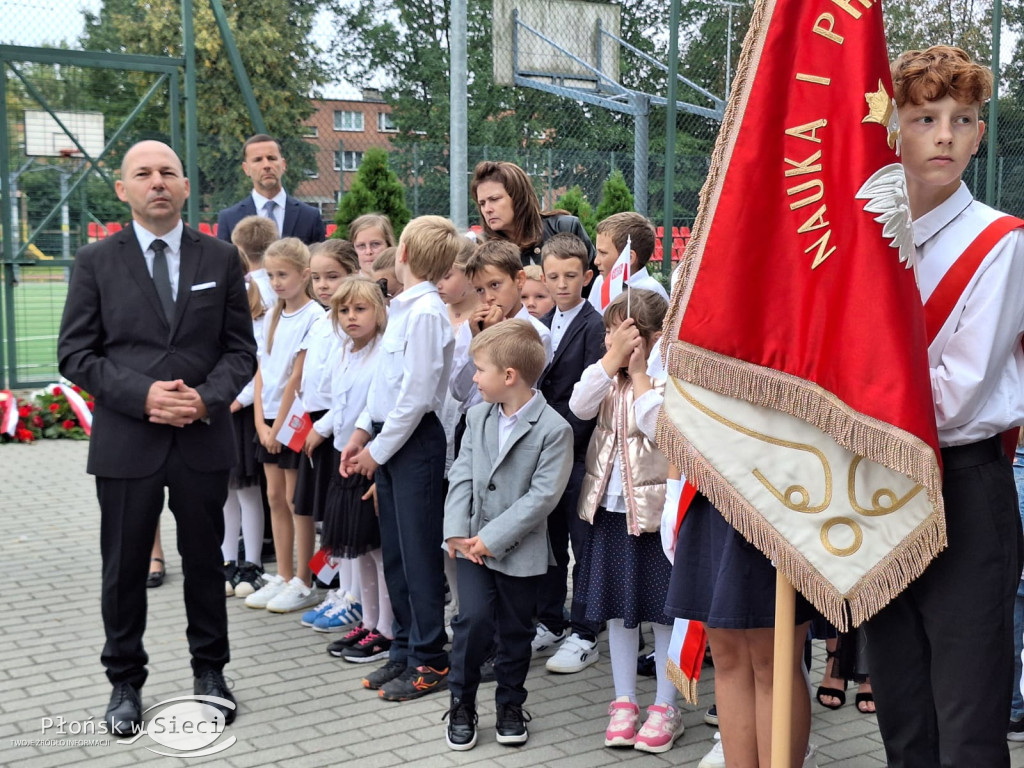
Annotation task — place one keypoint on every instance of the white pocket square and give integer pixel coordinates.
(203, 286)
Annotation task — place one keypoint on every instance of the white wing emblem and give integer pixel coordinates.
(886, 193)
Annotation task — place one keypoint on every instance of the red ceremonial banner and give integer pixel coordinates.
(798, 296)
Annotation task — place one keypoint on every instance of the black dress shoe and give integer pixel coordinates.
(124, 712)
(211, 683)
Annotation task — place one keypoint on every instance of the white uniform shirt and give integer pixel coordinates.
(350, 380)
(462, 385)
(976, 361)
(413, 369)
(560, 323)
(322, 345)
(276, 365)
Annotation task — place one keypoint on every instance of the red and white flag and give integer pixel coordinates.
(799, 397)
(615, 282)
(8, 413)
(77, 404)
(297, 424)
(324, 566)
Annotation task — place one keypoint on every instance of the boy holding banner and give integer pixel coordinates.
(941, 653)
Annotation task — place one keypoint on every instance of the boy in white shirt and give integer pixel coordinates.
(612, 235)
(496, 271)
(941, 653)
(401, 444)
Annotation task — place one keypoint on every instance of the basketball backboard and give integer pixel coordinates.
(44, 136)
(570, 25)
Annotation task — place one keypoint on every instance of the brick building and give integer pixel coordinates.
(341, 130)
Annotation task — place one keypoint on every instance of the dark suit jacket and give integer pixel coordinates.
(581, 345)
(300, 220)
(115, 342)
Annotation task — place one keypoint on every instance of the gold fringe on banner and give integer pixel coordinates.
(683, 684)
(872, 592)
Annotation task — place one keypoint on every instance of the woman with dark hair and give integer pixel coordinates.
(510, 210)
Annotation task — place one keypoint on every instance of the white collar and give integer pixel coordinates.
(928, 225)
(259, 200)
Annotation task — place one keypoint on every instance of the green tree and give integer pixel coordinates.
(576, 203)
(615, 197)
(375, 189)
(283, 63)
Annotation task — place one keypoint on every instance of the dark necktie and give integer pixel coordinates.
(162, 278)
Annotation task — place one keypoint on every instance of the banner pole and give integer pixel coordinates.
(782, 674)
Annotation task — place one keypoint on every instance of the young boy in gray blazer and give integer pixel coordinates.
(513, 467)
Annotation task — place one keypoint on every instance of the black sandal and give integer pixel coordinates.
(864, 698)
(156, 578)
(831, 657)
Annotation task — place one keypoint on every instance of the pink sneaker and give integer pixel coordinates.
(621, 731)
(664, 725)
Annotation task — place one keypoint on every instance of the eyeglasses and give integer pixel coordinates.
(373, 245)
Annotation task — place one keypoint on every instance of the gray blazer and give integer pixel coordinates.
(505, 497)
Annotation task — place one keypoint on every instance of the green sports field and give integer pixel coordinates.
(38, 301)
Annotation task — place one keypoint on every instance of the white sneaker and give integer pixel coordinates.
(294, 597)
(573, 655)
(546, 642)
(716, 757)
(273, 586)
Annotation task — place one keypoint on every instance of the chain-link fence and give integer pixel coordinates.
(588, 99)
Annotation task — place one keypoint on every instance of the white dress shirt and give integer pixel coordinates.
(587, 396)
(280, 198)
(322, 346)
(413, 369)
(976, 361)
(507, 423)
(350, 380)
(172, 251)
(462, 385)
(560, 323)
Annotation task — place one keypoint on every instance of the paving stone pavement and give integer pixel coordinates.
(299, 708)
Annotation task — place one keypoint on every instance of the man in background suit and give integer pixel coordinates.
(157, 327)
(264, 164)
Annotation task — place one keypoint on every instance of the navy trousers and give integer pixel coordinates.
(489, 601)
(941, 654)
(410, 502)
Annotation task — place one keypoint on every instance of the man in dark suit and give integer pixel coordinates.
(264, 164)
(157, 327)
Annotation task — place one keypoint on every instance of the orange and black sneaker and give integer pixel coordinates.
(383, 675)
(415, 682)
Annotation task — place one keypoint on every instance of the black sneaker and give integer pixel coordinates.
(248, 579)
(461, 731)
(1015, 730)
(415, 682)
(383, 675)
(230, 576)
(372, 647)
(510, 725)
(645, 665)
(350, 638)
(711, 716)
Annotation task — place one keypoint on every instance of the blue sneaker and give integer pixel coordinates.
(342, 616)
(310, 616)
